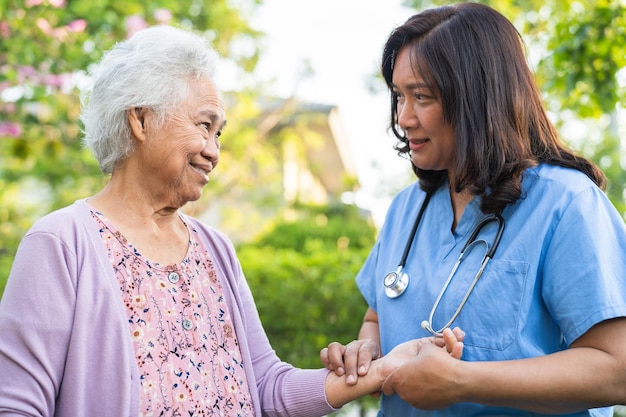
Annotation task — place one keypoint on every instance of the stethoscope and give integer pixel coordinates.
(396, 282)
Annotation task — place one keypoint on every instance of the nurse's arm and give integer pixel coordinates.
(590, 374)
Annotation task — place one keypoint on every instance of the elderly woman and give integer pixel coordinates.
(119, 304)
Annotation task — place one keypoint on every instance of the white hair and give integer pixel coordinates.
(152, 69)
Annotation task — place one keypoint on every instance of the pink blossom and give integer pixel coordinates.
(10, 129)
(61, 81)
(5, 32)
(9, 108)
(32, 3)
(27, 70)
(44, 26)
(134, 24)
(163, 15)
(78, 25)
(53, 80)
(57, 3)
(26, 73)
(60, 33)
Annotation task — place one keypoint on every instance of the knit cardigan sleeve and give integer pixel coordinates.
(65, 350)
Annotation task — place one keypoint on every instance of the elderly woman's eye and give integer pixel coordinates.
(217, 140)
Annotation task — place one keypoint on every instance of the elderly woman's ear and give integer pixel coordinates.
(136, 118)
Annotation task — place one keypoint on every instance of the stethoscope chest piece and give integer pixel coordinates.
(396, 283)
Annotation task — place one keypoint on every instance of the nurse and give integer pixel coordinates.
(545, 322)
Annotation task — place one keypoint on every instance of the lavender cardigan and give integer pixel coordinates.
(65, 347)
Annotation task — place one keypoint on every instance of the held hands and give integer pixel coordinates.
(408, 352)
(427, 379)
(355, 358)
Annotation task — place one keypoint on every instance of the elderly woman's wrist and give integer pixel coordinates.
(380, 370)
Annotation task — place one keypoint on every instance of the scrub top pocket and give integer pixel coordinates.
(491, 316)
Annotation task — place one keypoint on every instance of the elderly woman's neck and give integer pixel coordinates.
(157, 232)
(126, 200)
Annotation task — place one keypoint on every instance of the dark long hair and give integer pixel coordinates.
(475, 59)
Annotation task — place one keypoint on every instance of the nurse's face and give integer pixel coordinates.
(420, 116)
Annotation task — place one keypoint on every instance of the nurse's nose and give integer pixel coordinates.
(407, 118)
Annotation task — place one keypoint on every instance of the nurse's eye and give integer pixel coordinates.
(422, 97)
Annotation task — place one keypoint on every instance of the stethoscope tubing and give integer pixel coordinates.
(395, 283)
(489, 253)
(418, 220)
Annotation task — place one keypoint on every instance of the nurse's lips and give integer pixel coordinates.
(415, 144)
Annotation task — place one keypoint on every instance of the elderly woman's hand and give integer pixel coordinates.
(346, 359)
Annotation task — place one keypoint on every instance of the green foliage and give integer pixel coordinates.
(608, 155)
(330, 227)
(305, 299)
(302, 276)
(586, 54)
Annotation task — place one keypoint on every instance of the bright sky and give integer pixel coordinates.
(342, 41)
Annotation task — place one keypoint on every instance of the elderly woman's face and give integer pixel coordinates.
(420, 116)
(180, 155)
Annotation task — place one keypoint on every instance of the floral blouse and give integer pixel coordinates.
(187, 352)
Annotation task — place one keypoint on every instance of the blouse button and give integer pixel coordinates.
(187, 324)
(173, 277)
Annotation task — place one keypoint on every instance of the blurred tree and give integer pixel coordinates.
(308, 264)
(577, 48)
(302, 276)
(46, 46)
(581, 79)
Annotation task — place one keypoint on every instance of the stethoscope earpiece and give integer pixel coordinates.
(425, 325)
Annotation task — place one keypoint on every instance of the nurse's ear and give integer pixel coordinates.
(137, 122)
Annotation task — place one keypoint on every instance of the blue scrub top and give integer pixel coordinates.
(560, 269)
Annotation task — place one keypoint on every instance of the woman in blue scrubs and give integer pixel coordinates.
(544, 323)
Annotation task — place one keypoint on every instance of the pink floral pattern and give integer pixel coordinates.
(186, 348)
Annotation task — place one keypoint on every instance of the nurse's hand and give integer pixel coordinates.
(425, 379)
(449, 345)
(357, 354)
